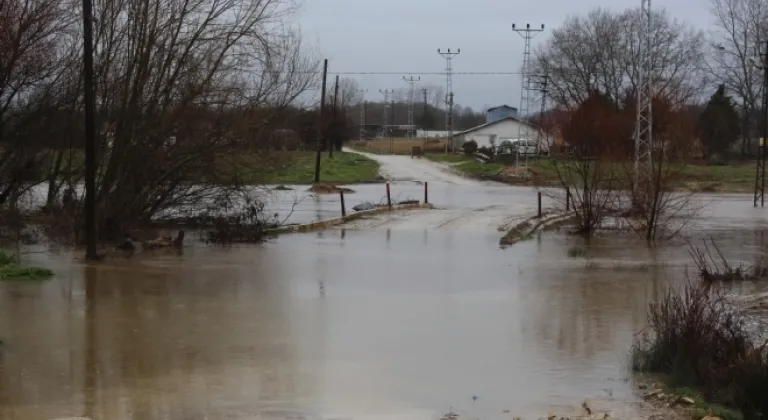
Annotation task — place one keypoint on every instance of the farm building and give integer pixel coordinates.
(494, 132)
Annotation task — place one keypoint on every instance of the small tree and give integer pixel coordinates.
(597, 134)
(469, 147)
(718, 126)
(658, 209)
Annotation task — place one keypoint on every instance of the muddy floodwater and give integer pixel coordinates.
(401, 321)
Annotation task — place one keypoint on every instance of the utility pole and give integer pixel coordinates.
(526, 99)
(332, 137)
(410, 80)
(90, 133)
(543, 88)
(362, 113)
(386, 93)
(449, 56)
(392, 110)
(320, 123)
(424, 118)
(644, 116)
(762, 151)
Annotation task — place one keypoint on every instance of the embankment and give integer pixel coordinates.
(528, 227)
(324, 224)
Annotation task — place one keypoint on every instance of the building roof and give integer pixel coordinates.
(502, 106)
(510, 118)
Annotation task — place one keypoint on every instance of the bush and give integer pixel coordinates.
(717, 160)
(469, 147)
(486, 151)
(700, 341)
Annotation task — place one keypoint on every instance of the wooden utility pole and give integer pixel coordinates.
(90, 133)
(332, 139)
(763, 148)
(320, 123)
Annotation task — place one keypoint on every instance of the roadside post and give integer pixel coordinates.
(343, 207)
(567, 198)
(389, 198)
(539, 199)
(426, 192)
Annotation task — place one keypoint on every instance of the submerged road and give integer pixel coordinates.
(462, 202)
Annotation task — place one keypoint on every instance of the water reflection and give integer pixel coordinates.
(353, 325)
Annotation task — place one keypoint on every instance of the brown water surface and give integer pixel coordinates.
(366, 324)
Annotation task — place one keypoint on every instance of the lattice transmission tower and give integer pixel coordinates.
(385, 131)
(449, 56)
(527, 97)
(362, 93)
(644, 117)
(411, 98)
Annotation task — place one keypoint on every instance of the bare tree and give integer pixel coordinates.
(182, 85)
(738, 37)
(599, 51)
(33, 37)
(349, 93)
(597, 132)
(660, 208)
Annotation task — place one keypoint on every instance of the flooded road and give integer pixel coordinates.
(403, 321)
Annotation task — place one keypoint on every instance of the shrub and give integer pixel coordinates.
(700, 341)
(486, 151)
(469, 147)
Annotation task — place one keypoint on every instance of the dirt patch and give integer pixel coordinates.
(328, 189)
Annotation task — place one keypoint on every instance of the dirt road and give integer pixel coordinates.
(406, 168)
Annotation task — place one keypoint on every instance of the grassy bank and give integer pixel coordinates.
(11, 270)
(699, 343)
(736, 178)
(399, 146)
(347, 168)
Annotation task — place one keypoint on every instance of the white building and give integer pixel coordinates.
(432, 134)
(493, 133)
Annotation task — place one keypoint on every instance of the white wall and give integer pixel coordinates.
(508, 129)
(431, 134)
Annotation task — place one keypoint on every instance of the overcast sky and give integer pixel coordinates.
(404, 35)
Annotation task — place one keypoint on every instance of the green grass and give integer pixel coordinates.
(343, 168)
(702, 408)
(10, 270)
(735, 178)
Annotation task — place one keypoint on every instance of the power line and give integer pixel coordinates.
(485, 73)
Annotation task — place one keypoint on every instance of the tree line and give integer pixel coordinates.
(716, 75)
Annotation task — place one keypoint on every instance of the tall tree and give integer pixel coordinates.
(719, 124)
(600, 51)
(738, 37)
